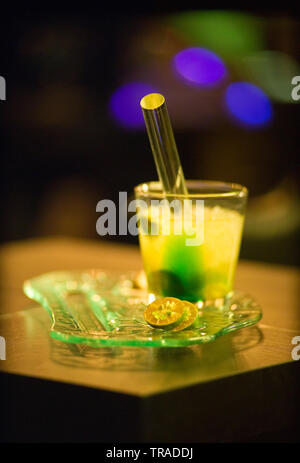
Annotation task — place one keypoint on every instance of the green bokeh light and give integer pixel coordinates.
(273, 71)
(227, 33)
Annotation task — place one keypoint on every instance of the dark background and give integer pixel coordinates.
(63, 151)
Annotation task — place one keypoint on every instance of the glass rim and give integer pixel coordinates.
(153, 189)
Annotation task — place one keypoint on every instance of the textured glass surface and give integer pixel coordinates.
(98, 309)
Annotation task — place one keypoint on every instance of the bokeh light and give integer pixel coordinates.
(228, 33)
(199, 66)
(249, 105)
(273, 71)
(124, 104)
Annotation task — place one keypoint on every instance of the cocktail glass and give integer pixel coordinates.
(196, 262)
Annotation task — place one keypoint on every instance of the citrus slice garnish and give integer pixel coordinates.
(189, 318)
(164, 312)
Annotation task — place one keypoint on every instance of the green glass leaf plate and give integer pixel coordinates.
(102, 309)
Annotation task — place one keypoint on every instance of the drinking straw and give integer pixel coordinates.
(163, 144)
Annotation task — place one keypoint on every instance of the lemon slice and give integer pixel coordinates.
(164, 312)
(189, 318)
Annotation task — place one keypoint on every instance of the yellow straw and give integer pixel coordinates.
(163, 144)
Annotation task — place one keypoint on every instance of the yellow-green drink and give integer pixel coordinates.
(176, 264)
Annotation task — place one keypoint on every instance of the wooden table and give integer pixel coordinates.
(241, 387)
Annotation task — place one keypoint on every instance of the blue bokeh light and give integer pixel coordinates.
(248, 104)
(124, 104)
(199, 66)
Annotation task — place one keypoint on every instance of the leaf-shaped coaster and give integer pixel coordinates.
(97, 308)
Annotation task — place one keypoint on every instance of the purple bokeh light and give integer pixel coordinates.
(199, 66)
(248, 104)
(124, 104)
